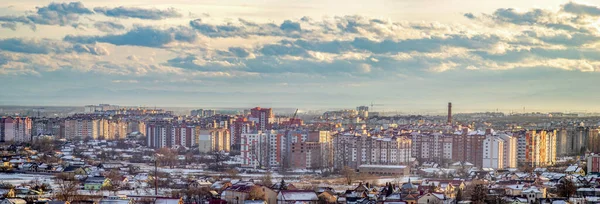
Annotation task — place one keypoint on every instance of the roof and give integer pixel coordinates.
(298, 195)
(166, 201)
(571, 168)
(382, 166)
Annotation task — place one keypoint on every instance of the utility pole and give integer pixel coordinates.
(156, 176)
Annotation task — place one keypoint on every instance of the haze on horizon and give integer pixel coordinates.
(408, 55)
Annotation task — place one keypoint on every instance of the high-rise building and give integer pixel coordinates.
(15, 129)
(561, 142)
(263, 117)
(81, 128)
(261, 149)
(435, 147)
(593, 144)
(311, 150)
(468, 146)
(536, 147)
(236, 129)
(213, 140)
(493, 152)
(576, 139)
(509, 150)
(593, 164)
(157, 134)
(354, 149)
(46, 126)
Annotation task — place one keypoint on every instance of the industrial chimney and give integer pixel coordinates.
(449, 113)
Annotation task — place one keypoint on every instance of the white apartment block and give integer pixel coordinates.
(493, 153)
(509, 151)
(256, 149)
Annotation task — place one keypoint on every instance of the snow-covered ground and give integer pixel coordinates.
(17, 179)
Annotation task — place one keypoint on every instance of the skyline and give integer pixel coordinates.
(481, 55)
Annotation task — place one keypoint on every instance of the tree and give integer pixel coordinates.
(256, 193)
(459, 195)
(349, 174)
(67, 187)
(166, 156)
(233, 173)
(267, 180)
(115, 181)
(566, 188)
(218, 157)
(479, 194)
(282, 185)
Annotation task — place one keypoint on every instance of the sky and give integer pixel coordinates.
(407, 55)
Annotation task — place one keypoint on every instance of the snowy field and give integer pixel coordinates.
(17, 179)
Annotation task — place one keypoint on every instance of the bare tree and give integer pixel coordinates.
(233, 173)
(479, 194)
(67, 187)
(256, 193)
(167, 157)
(349, 174)
(267, 180)
(218, 157)
(566, 188)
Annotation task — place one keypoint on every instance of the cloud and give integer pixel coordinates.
(581, 9)
(45, 46)
(289, 25)
(239, 52)
(130, 81)
(140, 13)
(63, 14)
(10, 25)
(108, 26)
(91, 48)
(141, 36)
(469, 15)
(247, 28)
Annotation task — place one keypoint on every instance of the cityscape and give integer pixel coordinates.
(110, 153)
(300, 102)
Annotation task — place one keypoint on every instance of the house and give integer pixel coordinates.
(168, 201)
(200, 183)
(96, 183)
(13, 201)
(115, 200)
(297, 196)
(327, 197)
(434, 198)
(575, 170)
(240, 192)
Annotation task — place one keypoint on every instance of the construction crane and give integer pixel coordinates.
(288, 143)
(372, 104)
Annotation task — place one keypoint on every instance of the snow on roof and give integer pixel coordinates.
(439, 196)
(299, 195)
(572, 168)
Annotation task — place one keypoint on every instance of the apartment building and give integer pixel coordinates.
(171, 135)
(509, 150)
(435, 146)
(81, 128)
(15, 129)
(536, 147)
(216, 139)
(468, 146)
(357, 148)
(493, 152)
